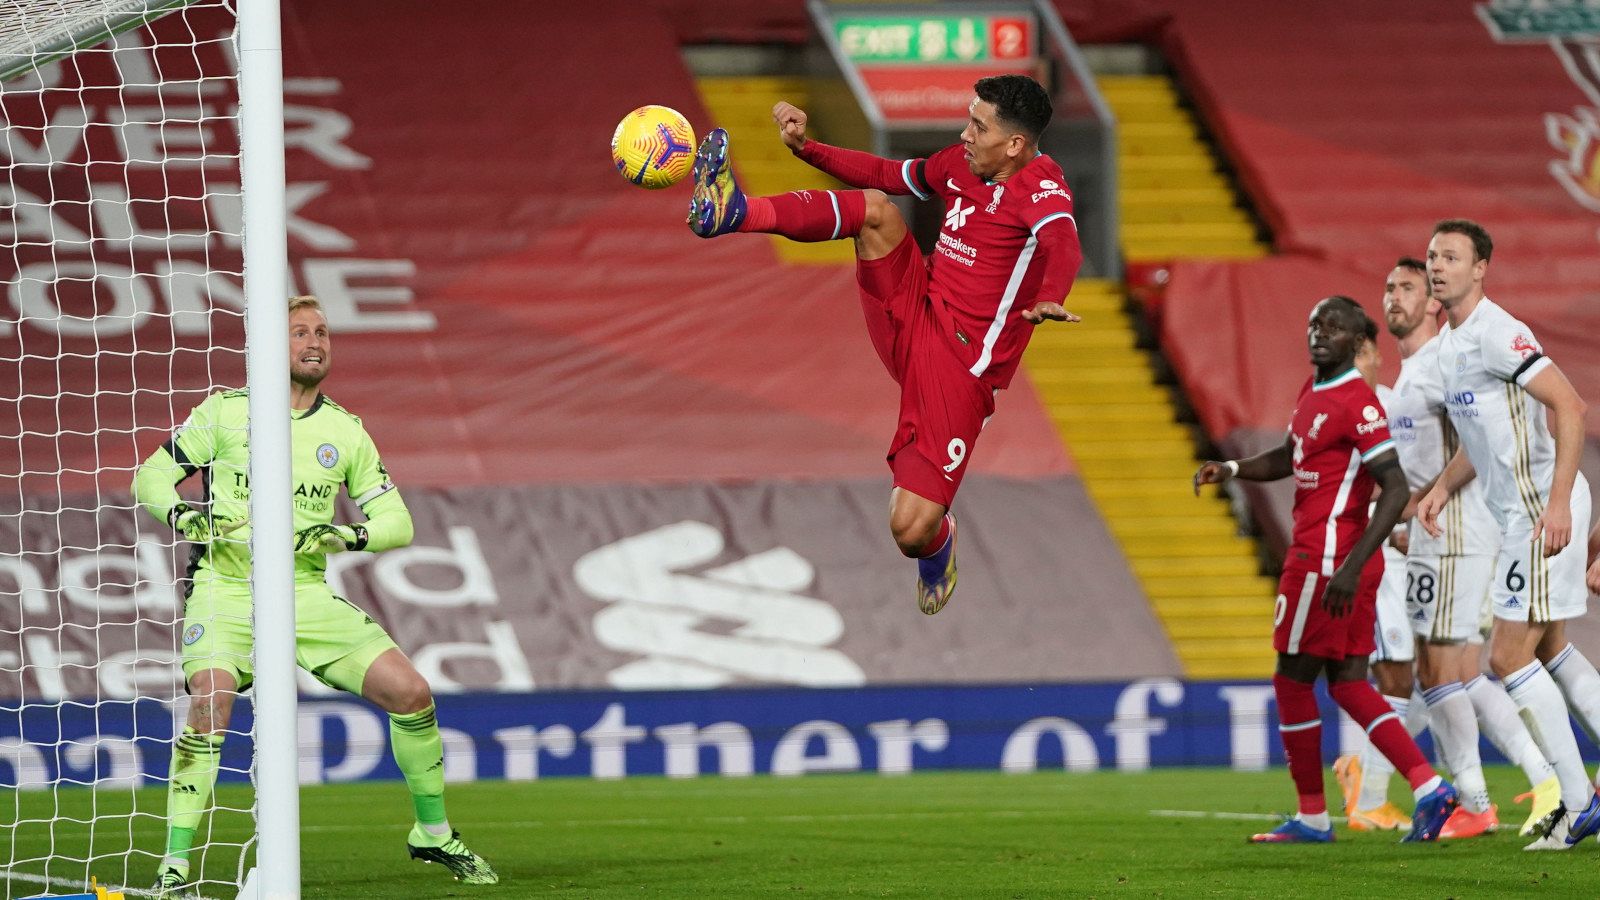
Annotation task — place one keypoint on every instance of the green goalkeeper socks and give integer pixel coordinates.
(192, 776)
(420, 754)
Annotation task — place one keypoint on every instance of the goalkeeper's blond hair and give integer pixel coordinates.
(305, 301)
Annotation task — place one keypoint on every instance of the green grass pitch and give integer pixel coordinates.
(959, 835)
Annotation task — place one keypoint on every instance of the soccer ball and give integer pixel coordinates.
(653, 147)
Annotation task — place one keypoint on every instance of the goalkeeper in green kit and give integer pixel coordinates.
(334, 641)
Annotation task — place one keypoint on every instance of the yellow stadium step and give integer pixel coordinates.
(1217, 649)
(1134, 487)
(1175, 203)
(1166, 250)
(1256, 665)
(1197, 568)
(1213, 631)
(1154, 449)
(1195, 586)
(1221, 607)
(1161, 545)
(1191, 527)
(1143, 199)
(1181, 162)
(1081, 432)
(1175, 473)
(1149, 413)
(743, 105)
(1238, 230)
(1137, 463)
(1099, 331)
(1161, 178)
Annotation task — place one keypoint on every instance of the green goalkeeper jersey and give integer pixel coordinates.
(329, 449)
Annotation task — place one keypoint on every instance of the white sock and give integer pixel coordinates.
(1426, 788)
(1415, 713)
(1539, 703)
(1319, 821)
(439, 830)
(1375, 767)
(1455, 730)
(1498, 721)
(1579, 683)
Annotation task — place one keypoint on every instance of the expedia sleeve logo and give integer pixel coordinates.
(1048, 188)
(328, 455)
(1374, 421)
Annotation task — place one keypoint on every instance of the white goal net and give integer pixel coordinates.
(122, 307)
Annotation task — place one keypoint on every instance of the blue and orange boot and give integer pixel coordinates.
(1432, 811)
(717, 206)
(936, 575)
(1293, 831)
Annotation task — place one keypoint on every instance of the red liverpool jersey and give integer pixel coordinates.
(1338, 425)
(984, 269)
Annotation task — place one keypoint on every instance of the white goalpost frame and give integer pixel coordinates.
(266, 255)
(51, 30)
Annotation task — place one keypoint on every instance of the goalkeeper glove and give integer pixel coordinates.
(199, 528)
(330, 538)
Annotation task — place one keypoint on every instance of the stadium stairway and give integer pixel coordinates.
(1175, 202)
(1136, 461)
(743, 106)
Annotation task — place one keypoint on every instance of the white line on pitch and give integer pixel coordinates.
(1218, 814)
(73, 883)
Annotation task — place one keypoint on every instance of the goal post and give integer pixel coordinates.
(143, 265)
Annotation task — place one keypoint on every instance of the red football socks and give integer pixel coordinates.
(1384, 728)
(1300, 728)
(939, 539)
(807, 216)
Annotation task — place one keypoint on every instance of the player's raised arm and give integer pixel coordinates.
(853, 167)
(1268, 465)
(1384, 467)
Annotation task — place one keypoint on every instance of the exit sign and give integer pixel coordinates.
(936, 40)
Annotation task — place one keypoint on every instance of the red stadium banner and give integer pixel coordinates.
(623, 587)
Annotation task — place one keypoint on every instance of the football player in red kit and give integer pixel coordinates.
(1338, 446)
(950, 329)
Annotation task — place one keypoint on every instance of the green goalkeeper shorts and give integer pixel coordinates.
(334, 640)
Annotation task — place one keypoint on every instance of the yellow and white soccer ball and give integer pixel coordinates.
(653, 147)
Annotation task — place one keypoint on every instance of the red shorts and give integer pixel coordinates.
(1301, 625)
(943, 406)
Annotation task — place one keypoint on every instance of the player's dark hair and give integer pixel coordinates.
(1412, 263)
(1482, 246)
(1019, 102)
(1364, 324)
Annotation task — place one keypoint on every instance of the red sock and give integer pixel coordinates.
(1300, 728)
(939, 539)
(807, 216)
(1384, 728)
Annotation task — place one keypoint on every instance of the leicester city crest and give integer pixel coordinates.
(193, 633)
(1461, 363)
(328, 455)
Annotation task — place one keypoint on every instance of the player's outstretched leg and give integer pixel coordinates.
(936, 574)
(467, 867)
(717, 205)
